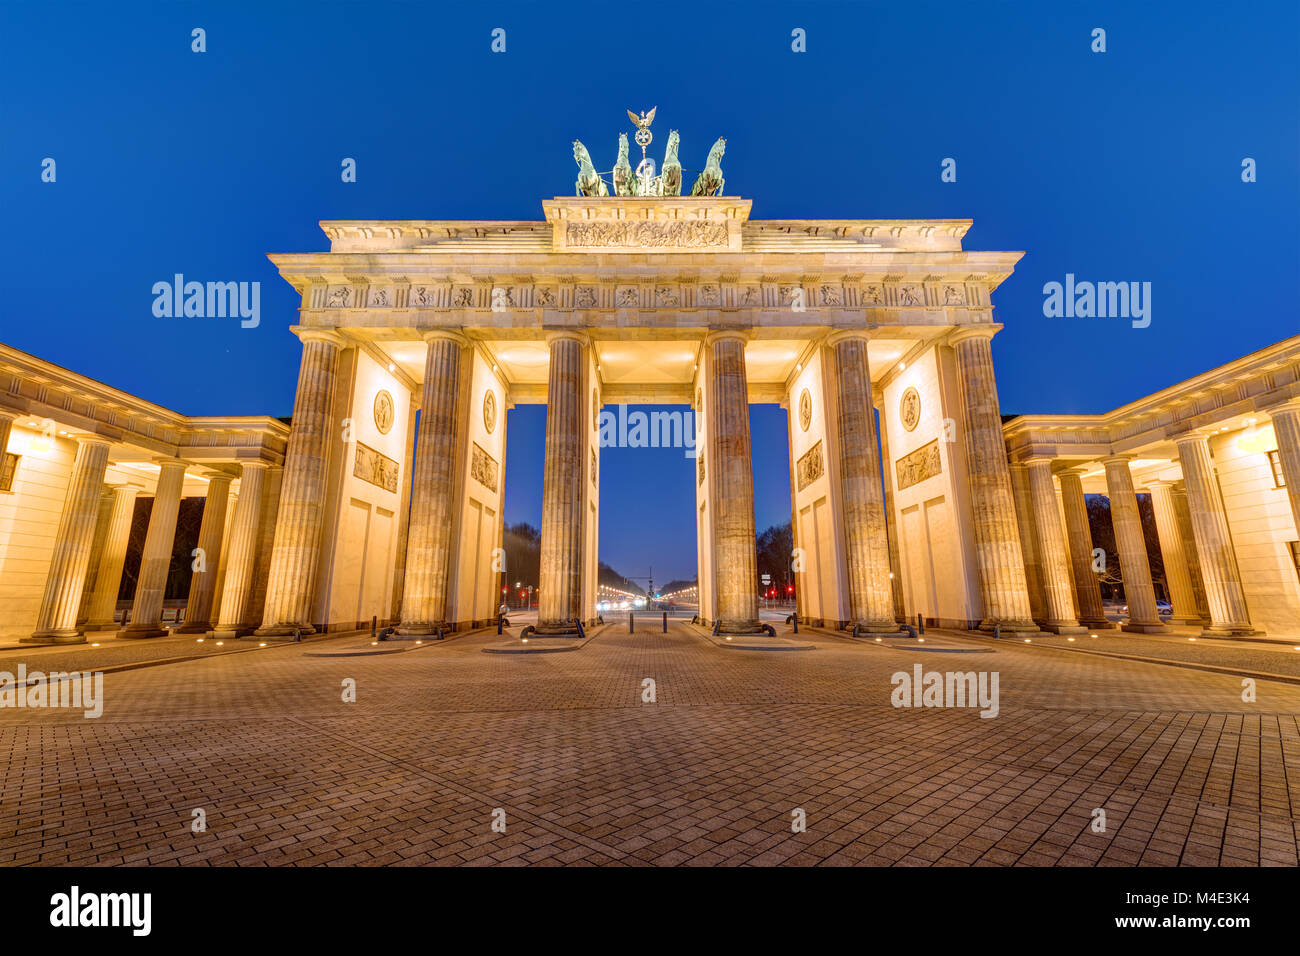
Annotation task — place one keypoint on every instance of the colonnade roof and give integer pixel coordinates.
(138, 431)
(1234, 398)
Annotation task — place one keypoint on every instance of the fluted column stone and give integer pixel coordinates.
(1229, 615)
(1000, 562)
(155, 563)
(1087, 589)
(1132, 545)
(559, 595)
(1173, 555)
(1058, 589)
(428, 542)
(735, 559)
(891, 531)
(1286, 428)
(1028, 541)
(56, 621)
(295, 556)
(101, 611)
(862, 499)
(212, 529)
(234, 609)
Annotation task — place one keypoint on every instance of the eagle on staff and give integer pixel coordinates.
(644, 120)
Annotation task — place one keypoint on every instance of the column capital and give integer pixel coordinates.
(329, 336)
(245, 465)
(124, 486)
(1039, 460)
(848, 335)
(216, 476)
(719, 335)
(90, 438)
(561, 335)
(451, 335)
(1289, 408)
(973, 332)
(1158, 483)
(1116, 460)
(163, 462)
(1193, 435)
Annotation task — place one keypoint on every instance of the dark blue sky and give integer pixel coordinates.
(1116, 166)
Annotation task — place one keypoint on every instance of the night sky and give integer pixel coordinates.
(1122, 166)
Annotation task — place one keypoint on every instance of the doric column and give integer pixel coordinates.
(862, 499)
(155, 563)
(1179, 495)
(234, 618)
(1050, 541)
(203, 584)
(103, 512)
(1133, 563)
(428, 543)
(560, 586)
(891, 532)
(735, 560)
(1172, 554)
(101, 611)
(1223, 591)
(6, 427)
(1028, 541)
(56, 622)
(993, 511)
(291, 583)
(1087, 589)
(1286, 428)
(404, 512)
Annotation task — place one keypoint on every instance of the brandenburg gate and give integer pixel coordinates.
(679, 299)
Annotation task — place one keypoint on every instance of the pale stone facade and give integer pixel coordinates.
(1219, 455)
(875, 335)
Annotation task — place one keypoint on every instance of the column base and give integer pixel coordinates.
(101, 626)
(144, 630)
(1009, 627)
(1140, 628)
(230, 632)
(421, 629)
(198, 627)
(1105, 624)
(741, 627)
(873, 627)
(1070, 628)
(282, 631)
(1228, 630)
(556, 629)
(55, 637)
(1185, 621)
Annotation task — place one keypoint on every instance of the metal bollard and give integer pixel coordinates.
(374, 625)
(500, 618)
(997, 632)
(665, 622)
(920, 623)
(297, 634)
(794, 619)
(631, 624)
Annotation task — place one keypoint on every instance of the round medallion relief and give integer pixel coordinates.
(383, 412)
(909, 408)
(490, 411)
(805, 409)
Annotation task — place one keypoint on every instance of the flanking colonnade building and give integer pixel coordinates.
(384, 498)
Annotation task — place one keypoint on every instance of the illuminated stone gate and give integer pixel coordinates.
(680, 300)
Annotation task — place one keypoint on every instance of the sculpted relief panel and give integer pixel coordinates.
(810, 466)
(483, 467)
(917, 466)
(675, 234)
(376, 468)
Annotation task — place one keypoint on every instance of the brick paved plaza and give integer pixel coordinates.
(442, 734)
